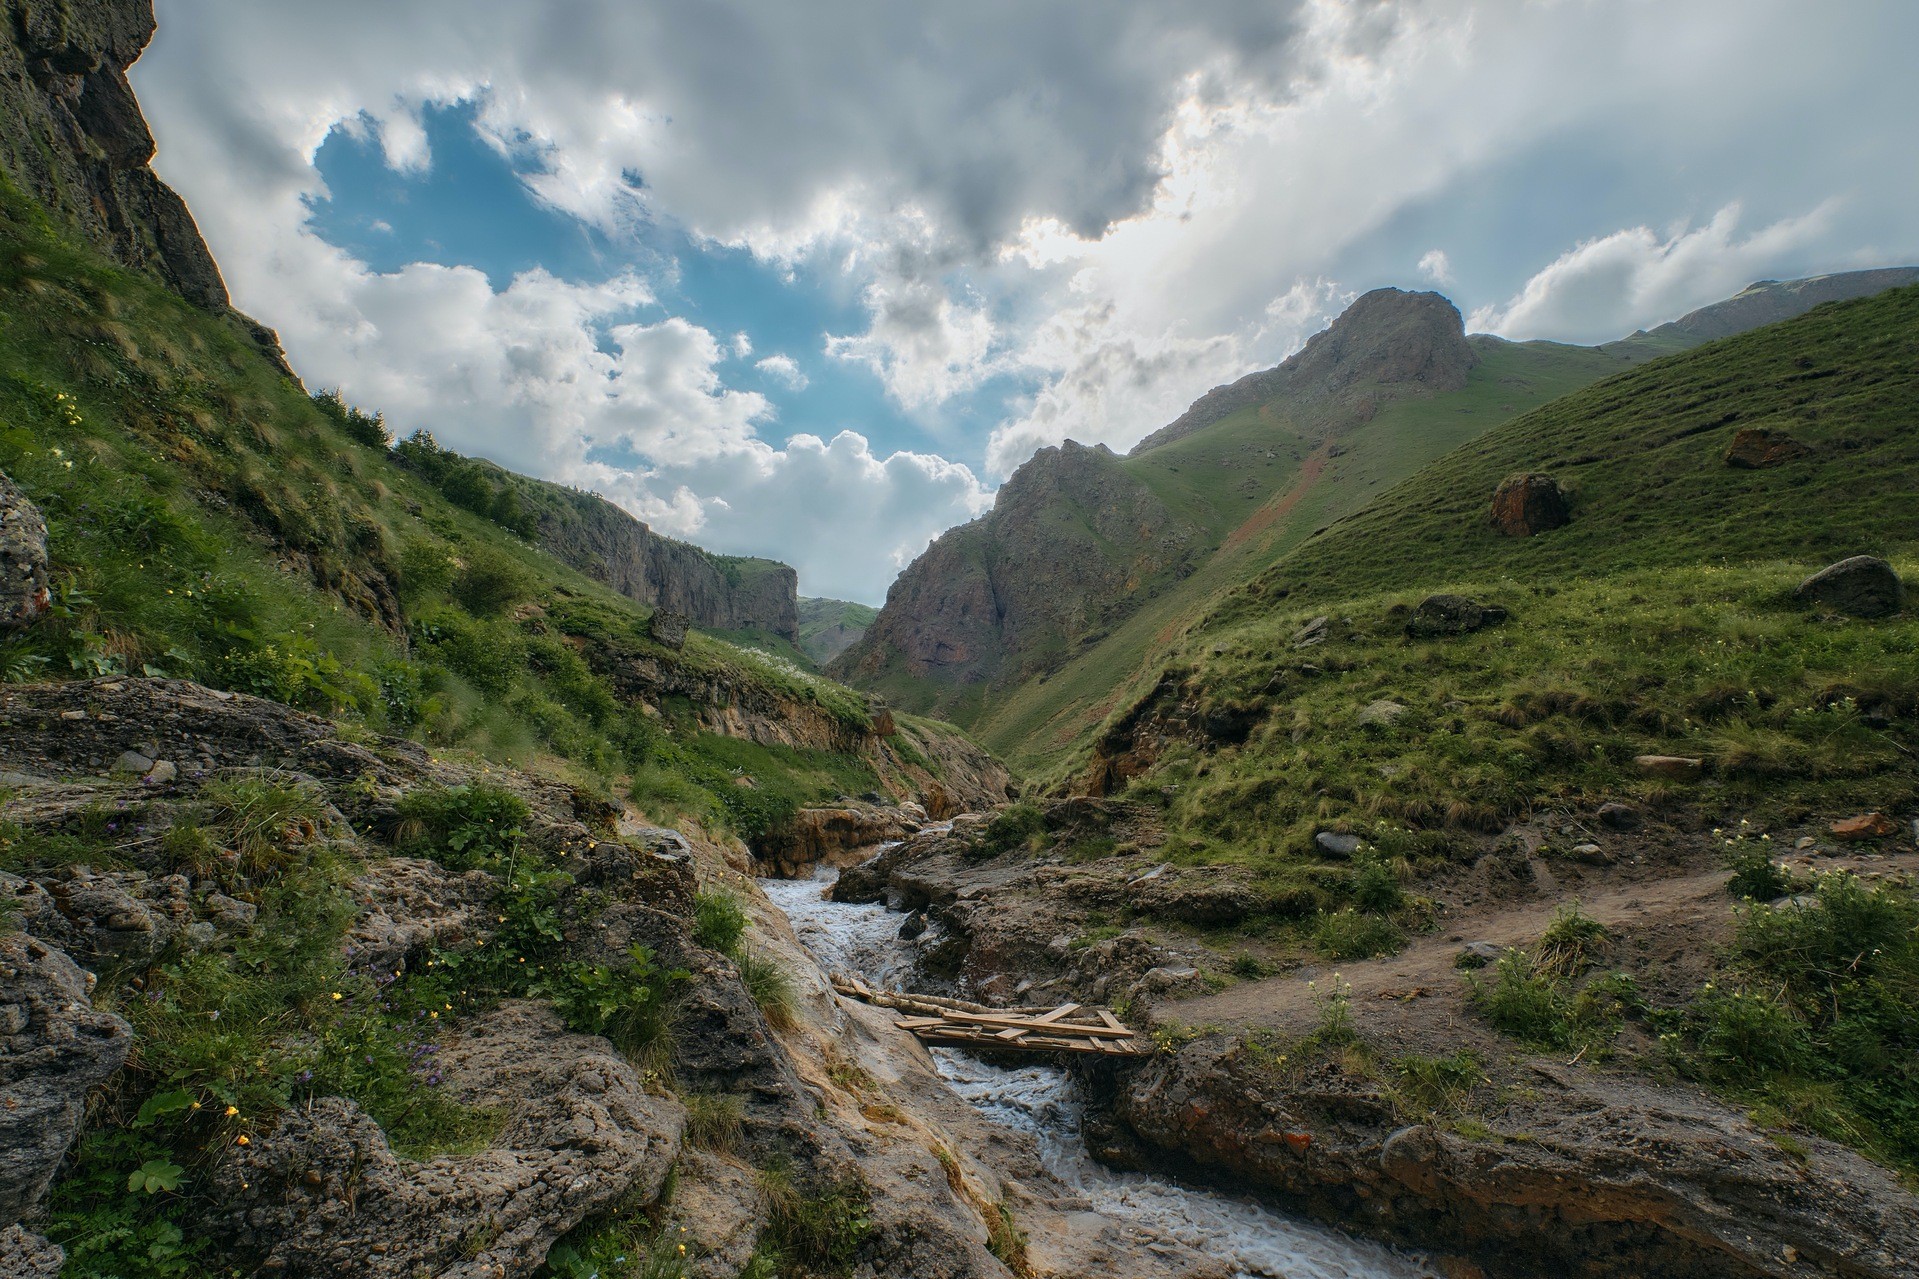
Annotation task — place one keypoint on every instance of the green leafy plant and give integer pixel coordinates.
(628, 1003)
(719, 921)
(462, 826)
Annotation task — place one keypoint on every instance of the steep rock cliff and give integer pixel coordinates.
(1072, 542)
(75, 140)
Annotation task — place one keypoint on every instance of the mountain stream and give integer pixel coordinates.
(1042, 1100)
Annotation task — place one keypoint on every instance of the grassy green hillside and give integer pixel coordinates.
(829, 627)
(1261, 487)
(1659, 621)
(209, 520)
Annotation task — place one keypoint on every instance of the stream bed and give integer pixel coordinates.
(1043, 1101)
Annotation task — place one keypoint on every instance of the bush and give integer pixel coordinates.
(490, 582)
(1529, 1004)
(1572, 942)
(461, 827)
(629, 1003)
(362, 428)
(1010, 828)
(1347, 934)
(808, 1235)
(1755, 877)
(1376, 886)
(719, 921)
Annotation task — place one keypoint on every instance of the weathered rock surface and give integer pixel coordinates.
(23, 558)
(1865, 826)
(412, 904)
(1439, 615)
(826, 836)
(54, 1047)
(1755, 448)
(25, 1255)
(668, 628)
(1862, 586)
(1615, 1176)
(1529, 504)
(595, 1135)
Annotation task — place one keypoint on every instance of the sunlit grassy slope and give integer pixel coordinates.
(1660, 619)
(209, 520)
(1261, 487)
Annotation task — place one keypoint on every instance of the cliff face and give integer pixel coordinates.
(74, 140)
(1073, 541)
(719, 592)
(1387, 342)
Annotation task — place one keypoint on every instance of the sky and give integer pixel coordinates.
(808, 281)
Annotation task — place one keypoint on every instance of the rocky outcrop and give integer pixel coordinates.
(1862, 586)
(23, 558)
(1074, 542)
(1613, 1176)
(815, 837)
(76, 141)
(54, 1048)
(727, 593)
(322, 1194)
(1528, 504)
(1387, 342)
(1756, 448)
(1439, 615)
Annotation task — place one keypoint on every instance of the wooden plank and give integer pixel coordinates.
(1064, 1010)
(1114, 1022)
(1056, 1027)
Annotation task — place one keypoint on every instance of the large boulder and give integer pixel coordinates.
(323, 1194)
(1862, 586)
(23, 558)
(1451, 615)
(54, 1047)
(668, 628)
(1529, 503)
(1756, 448)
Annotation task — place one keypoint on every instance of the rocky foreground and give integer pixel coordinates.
(1571, 1162)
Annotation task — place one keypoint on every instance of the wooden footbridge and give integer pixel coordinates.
(1068, 1028)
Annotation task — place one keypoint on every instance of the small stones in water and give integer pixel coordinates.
(1334, 844)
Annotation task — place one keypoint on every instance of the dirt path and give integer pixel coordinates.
(1665, 931)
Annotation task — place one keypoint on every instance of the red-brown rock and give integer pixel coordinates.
(1529, 503)
(1756, 448)
(1865, 826)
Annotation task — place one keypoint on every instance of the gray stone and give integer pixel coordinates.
(24, 1255)
(162, 772)
(64, 1047)
(1314, 632)
(1477, 954)
(1617, 816)
(668, 628)
(1381, 713)
(1439, 615)
(1862, 586)
(23, 558)
(1334, 844)
(132, 762)
(1591, 855)
(1670, 765)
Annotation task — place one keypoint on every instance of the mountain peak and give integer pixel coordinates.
(1386, 338)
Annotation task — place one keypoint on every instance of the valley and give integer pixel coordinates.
(1481, 776)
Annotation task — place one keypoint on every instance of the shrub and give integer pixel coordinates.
(1010, 828)
(1755, 877)
(491, 582)
(1523, 1001)
(629, 1003)
(1744, 1035)
(1376, 886)
(1572, 942)
(719, 921)
(1347, 934)
(461, 827)
(817, 1234)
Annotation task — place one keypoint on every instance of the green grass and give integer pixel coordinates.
(1259, 508)
(827, 627)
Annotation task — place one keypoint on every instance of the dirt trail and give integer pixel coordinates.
(1662, 928)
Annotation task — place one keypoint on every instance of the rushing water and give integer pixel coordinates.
(1042, 1100)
